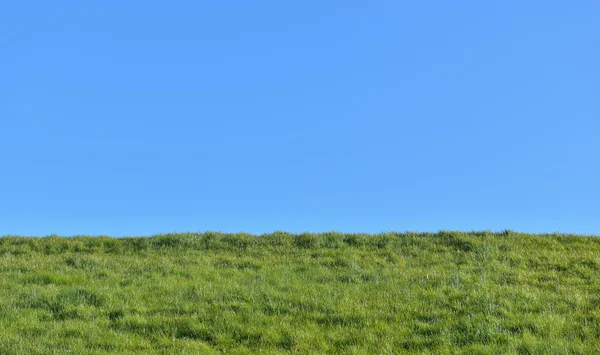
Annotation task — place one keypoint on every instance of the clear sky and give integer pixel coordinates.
(142, 117)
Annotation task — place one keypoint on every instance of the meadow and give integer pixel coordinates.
(390, 293)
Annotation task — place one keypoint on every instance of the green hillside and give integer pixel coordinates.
(444, 292)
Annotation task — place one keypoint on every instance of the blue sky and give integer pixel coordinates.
(141, 117)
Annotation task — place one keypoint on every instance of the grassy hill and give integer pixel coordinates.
(445, 292)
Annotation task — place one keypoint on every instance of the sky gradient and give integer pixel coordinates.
(143, 117)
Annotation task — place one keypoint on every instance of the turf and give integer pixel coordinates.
(446, 292)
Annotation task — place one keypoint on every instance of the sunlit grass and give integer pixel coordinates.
(446, 292)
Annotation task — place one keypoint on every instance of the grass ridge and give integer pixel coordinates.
(445, 292)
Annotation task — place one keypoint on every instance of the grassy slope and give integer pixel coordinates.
(387, 293)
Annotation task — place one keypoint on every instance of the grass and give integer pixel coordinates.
(446, 292)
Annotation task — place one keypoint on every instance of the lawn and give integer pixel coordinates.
(446, 292)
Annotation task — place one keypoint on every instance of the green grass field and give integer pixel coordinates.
(446, 292)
